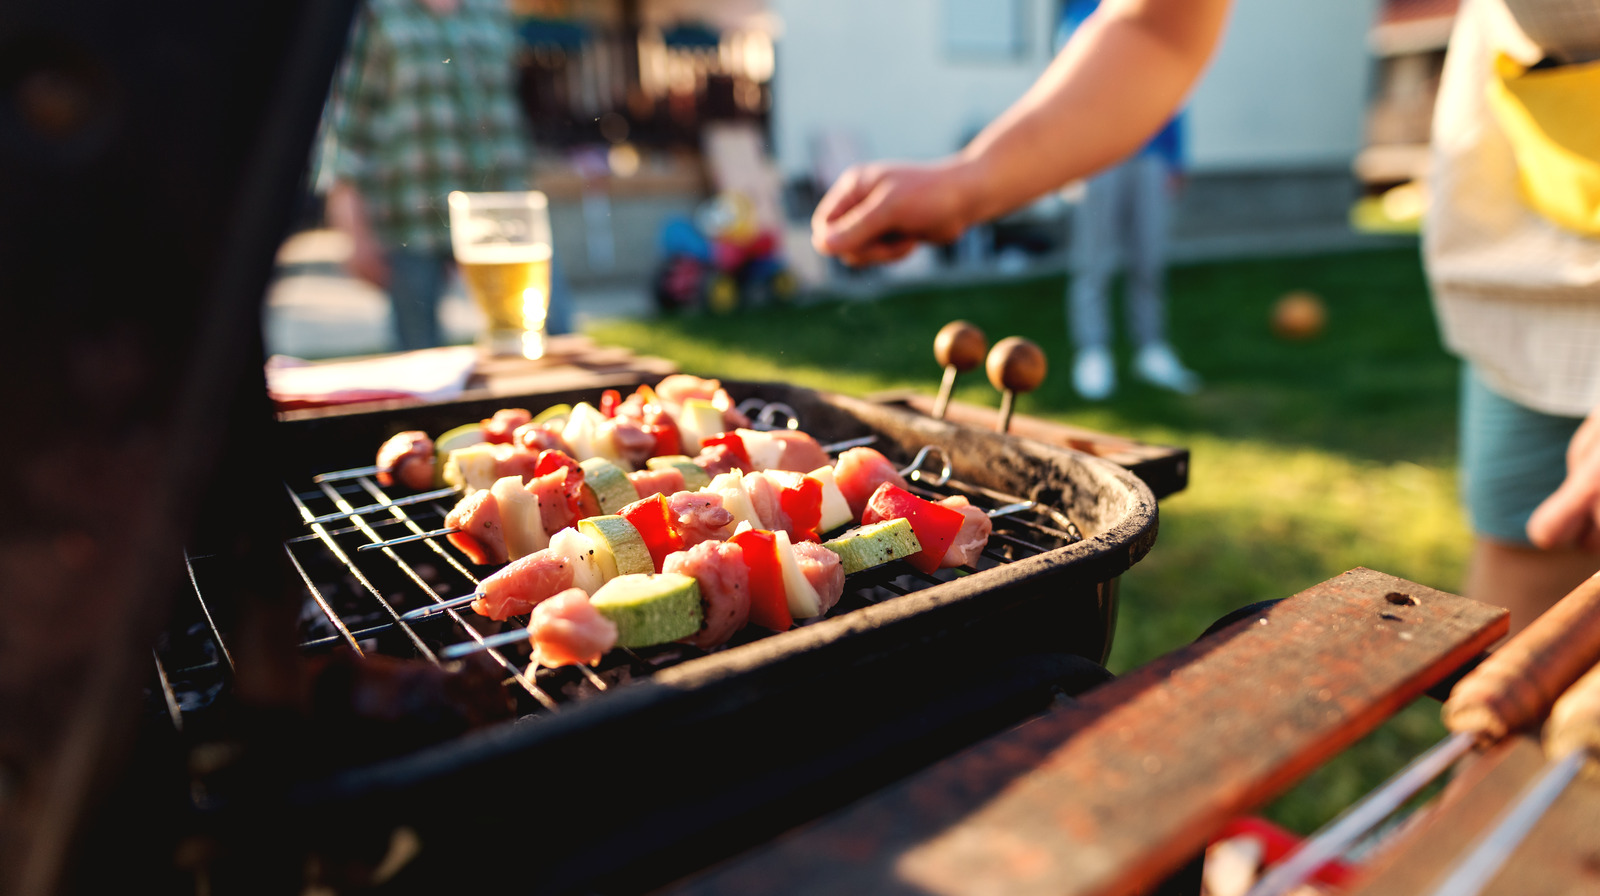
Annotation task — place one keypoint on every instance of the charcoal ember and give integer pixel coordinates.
(392, 705)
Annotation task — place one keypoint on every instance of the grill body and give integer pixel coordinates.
(667, 772)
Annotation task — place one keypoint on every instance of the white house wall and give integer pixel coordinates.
(1286, 89)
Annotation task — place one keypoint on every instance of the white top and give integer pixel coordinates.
(1514, 294)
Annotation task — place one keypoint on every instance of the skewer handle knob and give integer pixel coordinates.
(1519, 682)
(958, 347)
(1014, 365)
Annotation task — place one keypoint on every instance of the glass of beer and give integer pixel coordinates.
(501, 243)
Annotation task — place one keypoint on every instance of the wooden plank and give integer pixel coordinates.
(1558, 858)
(574, 362)
(1113, 794)
(1164, 468)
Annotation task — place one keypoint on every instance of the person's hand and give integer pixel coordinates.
(367, 261)
(1570, 517)
(877, 213)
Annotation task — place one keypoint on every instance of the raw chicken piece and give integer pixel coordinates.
(537, 437)
(523, 584)
(504, 423)
(972, 538)
(650, 482)
(724, 581)
(823, 569)
(801, 453)
(481, 535)
(567, 630)
(699, 516)
(859, 472)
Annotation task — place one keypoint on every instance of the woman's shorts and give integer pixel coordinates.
(1512, 458)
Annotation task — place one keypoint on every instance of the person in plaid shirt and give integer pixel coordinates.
(424, 103)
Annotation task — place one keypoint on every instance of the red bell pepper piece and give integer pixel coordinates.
(654, 520)
(609, 399)
(802, 502)
(735, 444)
(552, 459)
(668, 442)
(935, 524)
(769, 601)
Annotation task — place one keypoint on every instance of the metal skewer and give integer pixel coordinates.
(352, 473)
(418, 498)
(1572, 740)
(1513, 689)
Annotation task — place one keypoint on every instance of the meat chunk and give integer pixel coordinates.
(974, 534)
(724, 581)
(481, 531)
(633, 445)
(537, 437)
(501, 427)
(717, 459)
(699, 516)
(656, 482)
(858, 474)
(823, 569)
(567, 630)
(523, 584)
(801, 453)
(407, 457)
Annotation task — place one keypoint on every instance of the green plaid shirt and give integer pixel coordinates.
(424, 104)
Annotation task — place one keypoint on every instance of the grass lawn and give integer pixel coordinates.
(1308, 458)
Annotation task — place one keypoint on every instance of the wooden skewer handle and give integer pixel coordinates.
(1575, 723)
(1517, 684)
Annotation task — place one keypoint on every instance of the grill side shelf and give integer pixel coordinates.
(1113, 794)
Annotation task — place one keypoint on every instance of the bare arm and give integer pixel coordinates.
(1109, 89)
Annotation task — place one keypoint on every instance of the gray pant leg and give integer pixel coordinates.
(1148, 225)
(1095, 236)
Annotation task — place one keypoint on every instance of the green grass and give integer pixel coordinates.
(1307, 458)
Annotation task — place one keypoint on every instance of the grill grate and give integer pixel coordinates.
(355, 599)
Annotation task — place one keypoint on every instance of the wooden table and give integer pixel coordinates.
(1113, 793)
(572, 362)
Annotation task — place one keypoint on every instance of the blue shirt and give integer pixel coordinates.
(1168, 143)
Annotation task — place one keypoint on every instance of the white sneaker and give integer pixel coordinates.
(1157, 365)
(1092, 373)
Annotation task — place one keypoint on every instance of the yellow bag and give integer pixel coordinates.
(1552, 118)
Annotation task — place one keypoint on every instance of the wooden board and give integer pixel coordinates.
(1560, 856)
(1111, 795)
(573, 362)
(1165, 469)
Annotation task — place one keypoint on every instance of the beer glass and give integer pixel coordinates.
(501, 243)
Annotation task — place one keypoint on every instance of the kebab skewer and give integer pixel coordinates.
(1572, 745)
(675, 415)
(501, 523)
(951, 533)
(1511, 690)
(702, 594)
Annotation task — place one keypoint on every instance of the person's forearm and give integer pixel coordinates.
(1113, 86)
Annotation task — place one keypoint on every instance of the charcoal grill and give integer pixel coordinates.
(672, 757)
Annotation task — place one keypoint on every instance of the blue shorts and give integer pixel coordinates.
(1512, 458)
